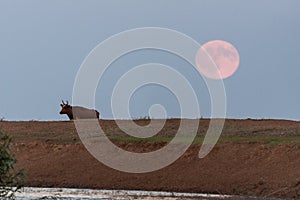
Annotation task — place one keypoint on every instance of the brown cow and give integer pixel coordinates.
(79, 112)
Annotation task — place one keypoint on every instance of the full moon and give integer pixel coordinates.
(217, 59)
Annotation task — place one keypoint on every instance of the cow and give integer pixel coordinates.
(78, 112)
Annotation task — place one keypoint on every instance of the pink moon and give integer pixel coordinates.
(224, 59)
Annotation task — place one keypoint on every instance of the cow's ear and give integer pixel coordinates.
(61, 105)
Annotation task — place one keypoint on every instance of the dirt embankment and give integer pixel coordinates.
(53, 156)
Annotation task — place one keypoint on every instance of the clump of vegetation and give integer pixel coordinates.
(10, 180)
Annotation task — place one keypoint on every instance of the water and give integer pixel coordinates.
(30, 193)
(86, 194)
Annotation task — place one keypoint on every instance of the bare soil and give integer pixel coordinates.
(52, 155)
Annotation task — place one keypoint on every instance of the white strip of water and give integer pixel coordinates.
(30, 193)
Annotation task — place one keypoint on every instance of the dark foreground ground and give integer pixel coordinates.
(253, 157)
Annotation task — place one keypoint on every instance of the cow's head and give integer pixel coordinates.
(66, 109)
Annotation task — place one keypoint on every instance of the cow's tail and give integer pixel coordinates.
(97, 114)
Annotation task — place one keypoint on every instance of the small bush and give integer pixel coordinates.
(10, 180)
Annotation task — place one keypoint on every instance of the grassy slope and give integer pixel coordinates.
(199, 139)
(266, 131)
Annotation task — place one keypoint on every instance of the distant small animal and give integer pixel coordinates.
(78, 112)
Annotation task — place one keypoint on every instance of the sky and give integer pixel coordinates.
(43, 44)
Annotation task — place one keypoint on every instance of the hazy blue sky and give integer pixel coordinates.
(43, 43)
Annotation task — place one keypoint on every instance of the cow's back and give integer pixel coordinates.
(84, 113)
